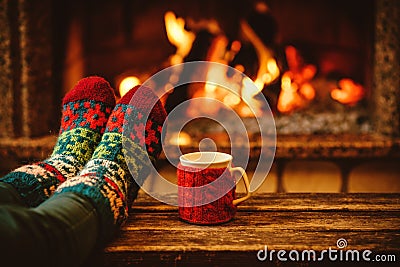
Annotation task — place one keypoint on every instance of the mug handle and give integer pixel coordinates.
(246, 184)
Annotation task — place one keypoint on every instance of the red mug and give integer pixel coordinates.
(206, 188)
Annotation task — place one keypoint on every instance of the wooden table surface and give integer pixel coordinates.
(154, 235)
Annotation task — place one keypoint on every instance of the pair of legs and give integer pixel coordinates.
(62, 231)
(55, 212)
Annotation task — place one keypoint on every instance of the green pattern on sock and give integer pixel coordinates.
(86, 109)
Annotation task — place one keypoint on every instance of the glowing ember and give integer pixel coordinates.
(349, 92)
(307, 91)
(127, 84)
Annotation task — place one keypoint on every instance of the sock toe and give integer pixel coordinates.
(146, 97)
(92, 88)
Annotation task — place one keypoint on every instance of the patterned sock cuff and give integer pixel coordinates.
(104, 182)
(37, 182)
(78, 143)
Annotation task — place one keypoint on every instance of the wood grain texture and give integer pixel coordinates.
(154, 235)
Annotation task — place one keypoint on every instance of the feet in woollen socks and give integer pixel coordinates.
(85, 112)
(106, 179)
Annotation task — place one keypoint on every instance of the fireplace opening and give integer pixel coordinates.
(311, 60)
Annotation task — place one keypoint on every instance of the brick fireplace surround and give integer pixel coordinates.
(29, 78)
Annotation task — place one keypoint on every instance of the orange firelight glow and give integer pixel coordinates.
(219, 52)
(242, 96)
(289, 99)
(296, 88)
(178, 36)
(268, 70)
(181, 139)
(128, 83)
(348, 93)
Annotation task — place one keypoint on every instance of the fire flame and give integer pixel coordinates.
(178, 36)
(288, 99)
(218, 53)
(267, 73)
(268, 70)
(296, 88)
(218, 74)
(348, 93)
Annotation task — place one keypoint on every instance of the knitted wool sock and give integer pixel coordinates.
(106, 178)
(86, 109)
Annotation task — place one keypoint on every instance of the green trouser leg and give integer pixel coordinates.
(8, 195)
(62, 231)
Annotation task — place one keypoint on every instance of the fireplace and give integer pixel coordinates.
(331, 42)
(319, 48)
